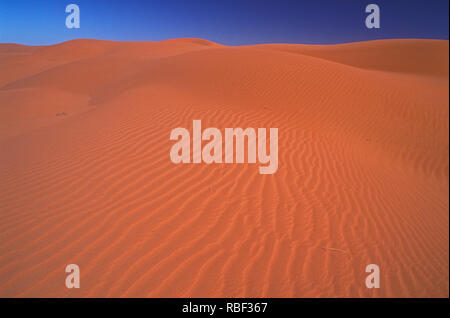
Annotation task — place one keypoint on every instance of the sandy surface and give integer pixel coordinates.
(86, 176)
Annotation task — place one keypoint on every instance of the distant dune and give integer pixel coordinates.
(86, 176)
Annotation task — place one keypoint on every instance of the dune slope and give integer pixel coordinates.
(363, 173)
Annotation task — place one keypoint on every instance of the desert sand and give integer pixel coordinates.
(86, 177)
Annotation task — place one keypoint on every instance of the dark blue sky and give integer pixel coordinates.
(231, 22)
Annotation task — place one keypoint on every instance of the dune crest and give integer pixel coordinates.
(363, 170)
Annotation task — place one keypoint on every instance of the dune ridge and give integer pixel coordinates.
(362, 177)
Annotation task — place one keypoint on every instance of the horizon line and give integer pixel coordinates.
(214, 42)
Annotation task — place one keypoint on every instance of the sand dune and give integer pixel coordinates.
(86, 176)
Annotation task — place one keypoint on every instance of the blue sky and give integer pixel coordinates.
(232, 22)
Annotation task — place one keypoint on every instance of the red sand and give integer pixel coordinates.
(363, 171)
